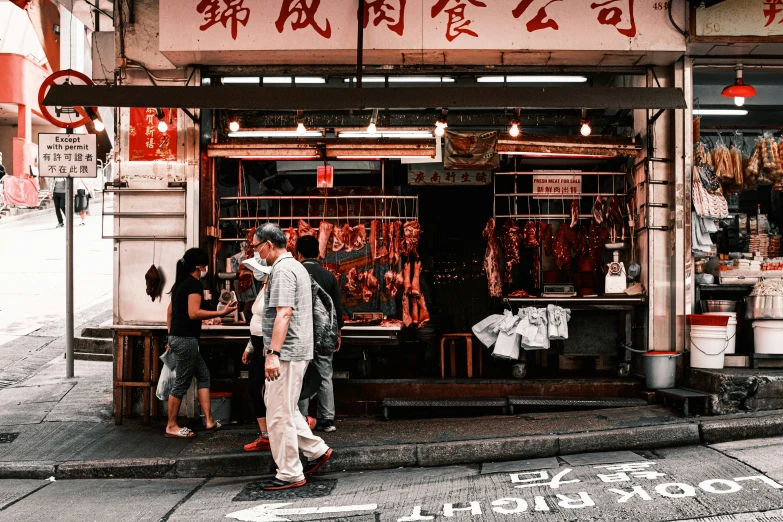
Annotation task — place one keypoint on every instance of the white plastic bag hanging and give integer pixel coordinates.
(167, 376)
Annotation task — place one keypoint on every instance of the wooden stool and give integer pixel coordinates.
(452, 340)
(123, 373)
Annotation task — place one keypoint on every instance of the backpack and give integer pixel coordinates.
(324, 320)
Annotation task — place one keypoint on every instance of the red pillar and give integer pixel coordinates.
(24, 148)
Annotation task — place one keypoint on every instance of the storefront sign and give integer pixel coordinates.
(68, 155)
(740, 18)
(556, 186)
(432, 175)
(213, 26)
(146, 142)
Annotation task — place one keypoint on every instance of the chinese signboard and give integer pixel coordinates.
(550, 186)
(432, 175)
(213, 26)
(741, 18)
(146, 142)
(68, 155)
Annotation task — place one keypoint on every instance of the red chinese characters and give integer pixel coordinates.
(392, 12)
(771, 10)
(618, 13)
(146, 142)
(458, 22)
(232, 11)
(304, 12)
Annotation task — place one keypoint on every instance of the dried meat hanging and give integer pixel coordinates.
(510, 239)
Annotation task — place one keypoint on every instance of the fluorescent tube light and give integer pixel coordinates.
(310, 79)
(420, 79)
(385, 134)
(277, 79)
(277, 158)
(229, 80)
(531, 79)
(366, 79)
(720, 112)
(275, 134)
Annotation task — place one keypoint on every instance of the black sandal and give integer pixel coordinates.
(277, 484)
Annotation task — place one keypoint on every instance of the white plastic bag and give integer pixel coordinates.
(167, 376)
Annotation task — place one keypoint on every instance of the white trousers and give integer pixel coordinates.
(288, 430)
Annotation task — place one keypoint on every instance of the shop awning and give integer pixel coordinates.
(340, 98)
(302, 149)
(570, 146)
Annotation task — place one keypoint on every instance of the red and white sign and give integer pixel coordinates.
(146, 142)
(208, 27)
(325, 176)
(64, 117)
(550, 186)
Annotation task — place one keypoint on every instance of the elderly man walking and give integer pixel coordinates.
(288, 334)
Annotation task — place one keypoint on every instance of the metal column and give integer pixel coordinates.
(69, 274)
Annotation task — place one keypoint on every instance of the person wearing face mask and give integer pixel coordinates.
(184, 324)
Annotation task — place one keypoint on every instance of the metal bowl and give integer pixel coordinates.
(718, 306)
(764, 307)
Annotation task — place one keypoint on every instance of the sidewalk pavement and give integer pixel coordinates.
(65, 430)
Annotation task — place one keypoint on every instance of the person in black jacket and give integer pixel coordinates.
(307, 248)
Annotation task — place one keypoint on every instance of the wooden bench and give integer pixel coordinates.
(452, 340)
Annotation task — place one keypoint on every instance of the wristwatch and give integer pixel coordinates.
(272, 352)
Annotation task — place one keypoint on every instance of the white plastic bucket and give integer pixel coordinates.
(708, 346)
(660, 369)
(731, 331)
(768, 336)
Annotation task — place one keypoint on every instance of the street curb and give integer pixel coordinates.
(28, 469)
(472, 451)
(118, 468)
(717, 431)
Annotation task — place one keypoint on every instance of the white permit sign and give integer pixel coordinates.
(67, 155)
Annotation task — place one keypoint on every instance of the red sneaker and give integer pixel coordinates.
(311, 422)
(260, 444)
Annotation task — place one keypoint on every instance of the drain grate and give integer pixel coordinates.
(8, 438)
(5, 384)
(313, 489)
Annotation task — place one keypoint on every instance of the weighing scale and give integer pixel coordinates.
(559, 290)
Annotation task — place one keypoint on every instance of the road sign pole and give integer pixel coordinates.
(69, 274)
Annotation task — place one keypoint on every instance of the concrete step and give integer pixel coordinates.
(80, 356)
(93, 345)
(97, 332)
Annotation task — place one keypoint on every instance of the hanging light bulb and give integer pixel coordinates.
(739, 90)
(441, 124)
(372, 129)
(585, 128)
(162, 125)
(99, 126)
(233, 126)
(514, 130)
(301, 129)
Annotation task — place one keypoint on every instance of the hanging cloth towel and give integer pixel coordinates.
(485, 330)
(558, 322)
(507, 345)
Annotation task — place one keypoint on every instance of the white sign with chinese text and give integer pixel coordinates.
(741, 18)
(436, 175)
(205, 28)
(68, 155)
(550, 186)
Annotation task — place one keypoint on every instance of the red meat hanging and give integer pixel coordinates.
(291, 237)
(338, 240)
(510, 239)
(348, 238)
(492, 261)
(152, 278)
(359, 237)
(411, 232)
(306, 230)
(324, 234)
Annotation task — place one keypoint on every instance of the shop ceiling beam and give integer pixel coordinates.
(426, 70)
(339, 98)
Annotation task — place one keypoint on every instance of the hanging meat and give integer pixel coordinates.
(352, 283)
(492, 261)
(407, 320)
(338, 241)
(397, 238)
(393, 243)
(306, 230)
(598, 210)
(410, 241)
(359, 237)
(377, 243)
(369, 285)
(291, 237)
(415, 282)
(510, 239)
(597, 238)
(564, 238)
(406, 278)
(574, 212)
(324, 234)
(152, 278)
(530, 235)
(348, 238)
(424, 314)
(390, 279)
